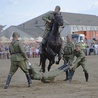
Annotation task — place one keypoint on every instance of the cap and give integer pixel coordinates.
(57, 7)
(16, 34)
(77, 45)
(69, 36)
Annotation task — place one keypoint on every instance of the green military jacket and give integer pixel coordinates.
(50, 16)
(68, 50)
(17, 51)
(80, 56)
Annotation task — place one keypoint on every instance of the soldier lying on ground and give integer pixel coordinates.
(48, 76)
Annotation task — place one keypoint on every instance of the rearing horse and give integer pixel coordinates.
(54, 44)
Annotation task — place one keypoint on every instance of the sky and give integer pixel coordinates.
(15, 12)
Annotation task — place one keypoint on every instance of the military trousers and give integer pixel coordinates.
(82, 64)
(68, 72)
(18, 64)
(46, 33)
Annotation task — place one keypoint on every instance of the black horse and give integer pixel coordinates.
(54, 44)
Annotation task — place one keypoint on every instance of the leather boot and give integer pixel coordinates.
(8, 81)
(86, 76)
(66, 76)
(70, 75)
(29, 79)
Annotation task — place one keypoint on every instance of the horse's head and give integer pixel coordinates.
(58, 19)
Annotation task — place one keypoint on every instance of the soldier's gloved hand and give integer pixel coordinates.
(71, 67)
(26, 60)
(62, 26)
(49, 21)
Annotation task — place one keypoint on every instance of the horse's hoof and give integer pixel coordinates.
(48, 69)
(57, 62)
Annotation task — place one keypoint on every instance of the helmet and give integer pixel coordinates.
(57, 7)
(15, 34)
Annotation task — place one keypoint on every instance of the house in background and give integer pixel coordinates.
(9, 31)
(81, 24)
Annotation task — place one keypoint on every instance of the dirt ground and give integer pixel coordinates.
(58, 89)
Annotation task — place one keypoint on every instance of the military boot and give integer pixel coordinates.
(86, 76)
(70, 75)
(29, 79)
(66, 76)
(8, 81)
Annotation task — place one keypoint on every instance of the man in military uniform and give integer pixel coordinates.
(68, 53)
(80, 60)
(18, 59)
(48, 25)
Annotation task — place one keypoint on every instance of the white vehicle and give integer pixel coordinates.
(78, 37)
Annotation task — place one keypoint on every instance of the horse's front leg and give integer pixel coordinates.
(51, 53)
(59, 58)
(50, 64)
(43, 65)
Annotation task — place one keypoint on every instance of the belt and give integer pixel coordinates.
(67, 54)
(15, 53)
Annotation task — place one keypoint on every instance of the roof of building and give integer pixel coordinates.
(9, 31)
(80, 19)
(35, 27)
(70, 18)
